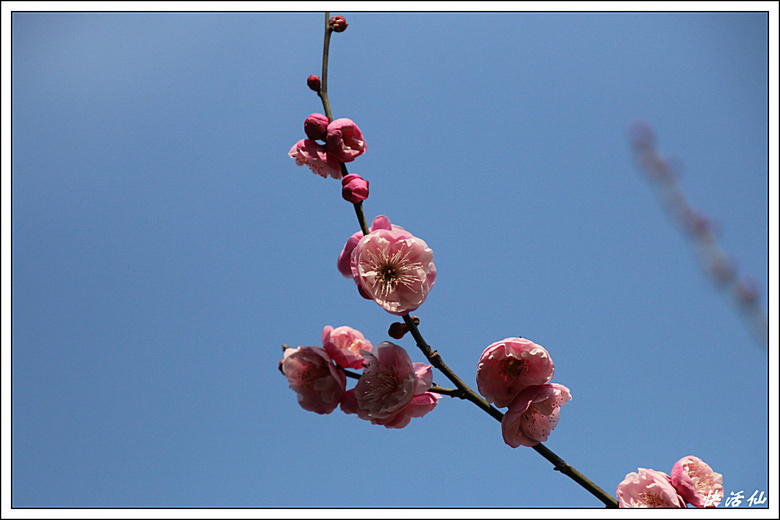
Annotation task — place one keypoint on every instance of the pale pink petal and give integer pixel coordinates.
(344, 344)
(648, 488)
(533, 414)
(424, 374)
(318, 383)
(697, 483)
(312, 154)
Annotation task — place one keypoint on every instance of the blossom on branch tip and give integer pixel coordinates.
(508, 366)
(392, 267)
(316, 126)
(338, 23)
(533, 414)
(696, 483)
(313, 155)
(319, 383)
(392, 389)
(648, 488)
(343, 345)
(354, 188)
(345, 140)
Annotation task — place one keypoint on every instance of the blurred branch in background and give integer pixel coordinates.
(662, 173)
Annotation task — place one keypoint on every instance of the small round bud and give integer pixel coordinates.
(313, 82)
(338, 23)
(355, 189)
(316, 126)
(397, 330)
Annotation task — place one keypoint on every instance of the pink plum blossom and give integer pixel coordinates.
(354, 188)
(393, 268)
(392, 389)
(318, 382)
(316, 126)
(648, 488)
(696, 483)
(313, 154)
(345, 258)
(510, 365)
(343, 345)
(345, 140)
(533, 414)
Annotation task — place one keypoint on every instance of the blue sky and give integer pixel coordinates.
(165, 247)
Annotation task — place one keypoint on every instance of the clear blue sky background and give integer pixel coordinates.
(165, 247)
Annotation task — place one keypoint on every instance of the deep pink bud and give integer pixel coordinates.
(316, 126)
(338, 23)
(355, 188)
(314, 82)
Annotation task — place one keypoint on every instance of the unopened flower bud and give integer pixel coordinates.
(397, 330)
(355, 189)
(314, 82)
(338, 23)
(316, 126)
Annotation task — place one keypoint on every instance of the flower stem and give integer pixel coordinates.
(437, 362)
(323, 93)
(467, 393)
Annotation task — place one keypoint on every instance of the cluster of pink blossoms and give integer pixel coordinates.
(390, 392)
(343, 142)
(516, 372)
(692, 481)
(390, 266)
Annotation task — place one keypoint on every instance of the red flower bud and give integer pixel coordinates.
(313, 82)
(338, 23)
(316, 126)
(397, 330)
(355, 188)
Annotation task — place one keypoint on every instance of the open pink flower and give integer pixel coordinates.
(533, 414)
(313, 154)
(345, 140)
(510, 365)
(393, 268)
(392, 389)
(648, 488)
(695, 481)
(343, 345)
(318, 382)
(345, 258)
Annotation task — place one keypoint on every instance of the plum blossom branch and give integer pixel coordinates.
(322, 92)
(396, 270)
(698, 228)
(465, 392)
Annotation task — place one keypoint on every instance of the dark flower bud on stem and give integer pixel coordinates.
(398, 329)
(314, 82)
(338, 23)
